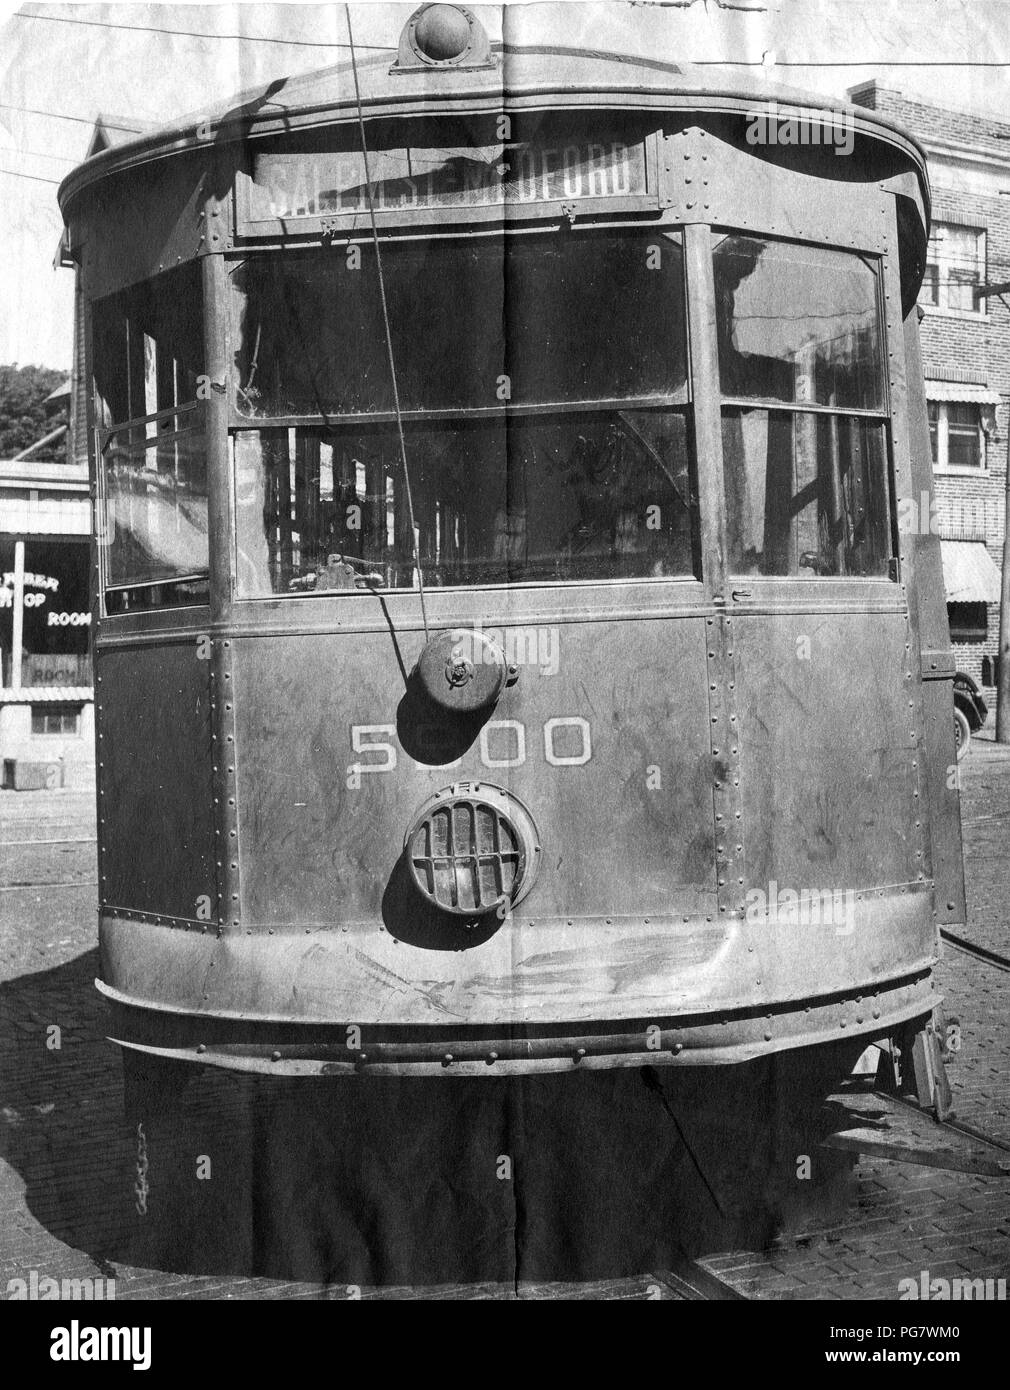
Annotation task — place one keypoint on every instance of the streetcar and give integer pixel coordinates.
(517, 648)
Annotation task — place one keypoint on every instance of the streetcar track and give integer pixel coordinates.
(69, 840)
(981, 953)
(63, 883)
(690, 1280)
(957, 1126)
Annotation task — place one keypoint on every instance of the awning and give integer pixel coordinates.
(969, 574)
(958, 391)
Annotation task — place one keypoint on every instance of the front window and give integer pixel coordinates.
(804, 413)
(543, 385)
(152, 527)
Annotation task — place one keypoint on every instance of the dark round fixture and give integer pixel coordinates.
(442, 33)
(473, 849)
(442, 36)
(463, 671)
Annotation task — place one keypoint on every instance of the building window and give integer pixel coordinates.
(956, 439)
(955, 267)
(56, 719)
(969, 622)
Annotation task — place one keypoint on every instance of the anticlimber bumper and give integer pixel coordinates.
(710, 1039)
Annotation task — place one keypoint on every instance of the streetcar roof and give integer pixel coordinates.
(527, 77)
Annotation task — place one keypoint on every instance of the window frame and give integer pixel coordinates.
(940, 264)
(72, 710)
(142, 432)
(883, 417)
(941, 462)
(680, 401)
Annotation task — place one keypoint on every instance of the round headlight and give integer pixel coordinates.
(473, 849)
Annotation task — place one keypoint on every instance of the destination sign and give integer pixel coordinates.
(286, 186)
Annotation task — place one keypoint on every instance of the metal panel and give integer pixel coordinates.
(830, 784)
(609, 751)
(155, 828)
(719, 984)
(132, 228)
(922, 555)
(710, 179)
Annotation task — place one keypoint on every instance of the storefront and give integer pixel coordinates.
(46, 695)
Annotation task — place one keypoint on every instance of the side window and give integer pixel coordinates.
(148, 355)
(804, 413)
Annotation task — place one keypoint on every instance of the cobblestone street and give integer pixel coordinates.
(270, 1222)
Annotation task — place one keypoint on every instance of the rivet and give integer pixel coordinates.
(275, 1056)
(492, 1057)
(201, 1047)
(580, 1052)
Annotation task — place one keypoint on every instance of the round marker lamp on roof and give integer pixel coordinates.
(442, 36)
(442, 33)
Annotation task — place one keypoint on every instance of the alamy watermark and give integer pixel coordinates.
(808, 907)
(814, 127)
(41, 1287)
(521, 646)
(963, 1290)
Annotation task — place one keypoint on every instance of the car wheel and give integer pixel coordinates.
(962, 733)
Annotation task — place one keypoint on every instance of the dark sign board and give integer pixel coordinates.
(287, 187)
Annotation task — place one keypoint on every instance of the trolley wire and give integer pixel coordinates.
(389, 335)
(197, 33)
(35, 178)
(61, 116)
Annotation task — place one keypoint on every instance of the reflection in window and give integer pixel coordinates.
(797, 324)
(564, 319)
(154, 522)
(805, 493)
(599, 495)
(148, 349)
(148, 343)
(806, 481)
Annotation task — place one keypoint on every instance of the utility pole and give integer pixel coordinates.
(1003, 664)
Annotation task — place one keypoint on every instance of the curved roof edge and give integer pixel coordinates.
(536, 74)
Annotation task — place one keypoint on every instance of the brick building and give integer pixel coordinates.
(966, 354)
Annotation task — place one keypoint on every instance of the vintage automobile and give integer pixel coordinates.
(970, 711)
